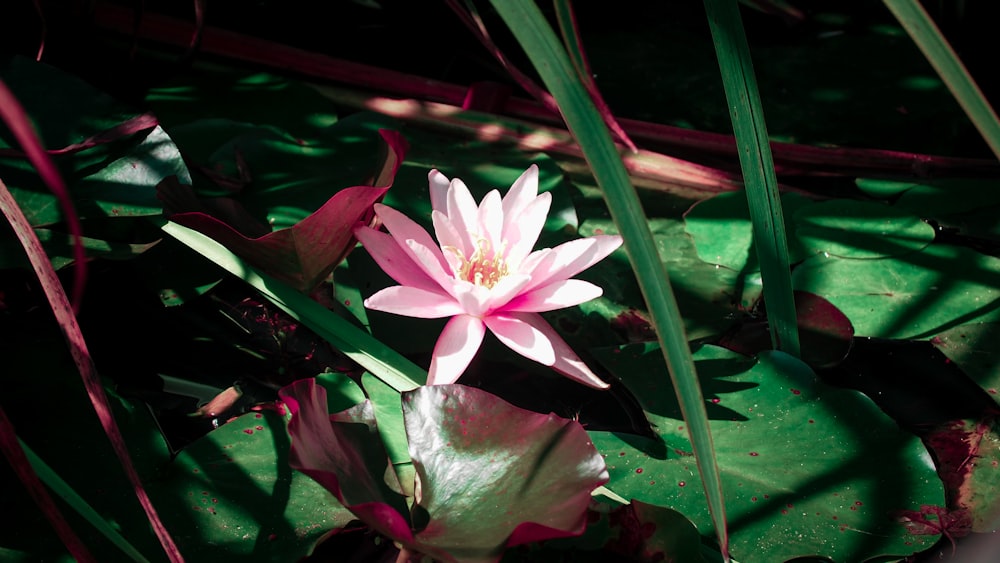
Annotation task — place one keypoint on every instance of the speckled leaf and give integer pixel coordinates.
(807, 469)
(232, 496)
(916, 295)
(493, 475)
(860, 229)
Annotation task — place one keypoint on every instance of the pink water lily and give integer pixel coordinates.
(483, 273)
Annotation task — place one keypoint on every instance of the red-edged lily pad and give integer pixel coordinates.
(304, 254)
(489, 475)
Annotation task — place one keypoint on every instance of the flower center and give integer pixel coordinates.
(484, 267)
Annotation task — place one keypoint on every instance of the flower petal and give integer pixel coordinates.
(413, 302)
(394, 260)
(462, 210)
(474, 299)
(557, 295)
(410, 235)
(522, 337)
(452, 243)
(522, 192)
(571, 258)
(504, 291)
(490, 221)
(565, 360)
(429, 260)
(455, 348)
(521, 232)
(439, 190)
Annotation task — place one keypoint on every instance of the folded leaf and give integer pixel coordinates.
(305, 254)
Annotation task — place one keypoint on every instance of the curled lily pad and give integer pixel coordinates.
(492, 475)
(489, 475)
(304, 254)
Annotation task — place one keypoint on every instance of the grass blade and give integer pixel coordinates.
(758, 170)
(63, 312)
(383, 362)
(928, 37)
(550, 60)
(75, 501)
(17, 455)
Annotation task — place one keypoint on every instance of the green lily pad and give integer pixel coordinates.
(860, 229)
(708, 295)
(916, 295)
(935, 197)
(722, 232)
(232, 494)
(232, 95)
(807, 469)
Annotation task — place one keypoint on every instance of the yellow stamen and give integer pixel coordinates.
(484, 267)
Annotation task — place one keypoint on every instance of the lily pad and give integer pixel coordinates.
(708, 295)
(860, 229)
(488, 475)
(807, 469)
(917, 295)
(531, 479)
(933, 198)
(231, 495)
(722, 232)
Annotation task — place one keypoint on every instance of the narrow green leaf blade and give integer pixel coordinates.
(383, 362)
(928, 37)
(758, 170)
(530, 28)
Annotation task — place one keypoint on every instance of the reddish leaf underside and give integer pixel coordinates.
(647, 532)
(303, 255)
(343, 453)
(968, 459)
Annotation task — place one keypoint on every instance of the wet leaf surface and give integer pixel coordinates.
(807, 469)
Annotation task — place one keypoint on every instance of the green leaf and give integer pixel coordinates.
(232, 495)
(723, 234)
(860, 229)
(809, 469)
(389, 413)
(945, 61)
(354, 342)
(907, 296)
(532, 31)
(493, 475)
(759, 177)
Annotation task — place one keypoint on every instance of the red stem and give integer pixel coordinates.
(789, 158)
